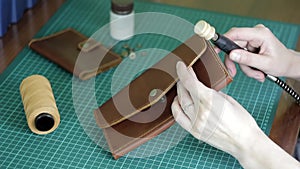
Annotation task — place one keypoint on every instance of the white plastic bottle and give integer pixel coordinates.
(122, 19)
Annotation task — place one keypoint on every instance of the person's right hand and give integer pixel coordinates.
(273, 57)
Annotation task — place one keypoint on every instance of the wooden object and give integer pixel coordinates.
(204, 29)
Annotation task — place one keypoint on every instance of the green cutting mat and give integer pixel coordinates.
(71, 145)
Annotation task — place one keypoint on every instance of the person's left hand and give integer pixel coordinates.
(211, 116)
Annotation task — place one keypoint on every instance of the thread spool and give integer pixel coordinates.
(204, 30)
(39, 104)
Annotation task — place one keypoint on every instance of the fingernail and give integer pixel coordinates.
(230, 72)
(259, 78)
(234, 56)
(178, 64)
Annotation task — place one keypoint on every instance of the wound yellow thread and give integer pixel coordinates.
(39, 104)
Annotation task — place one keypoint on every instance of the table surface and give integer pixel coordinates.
(263, 119)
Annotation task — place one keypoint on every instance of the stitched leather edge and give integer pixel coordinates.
(227, 76)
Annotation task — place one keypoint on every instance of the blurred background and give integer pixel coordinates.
(285, 11)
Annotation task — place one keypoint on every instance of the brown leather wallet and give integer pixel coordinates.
(142, 109)
(77, 54)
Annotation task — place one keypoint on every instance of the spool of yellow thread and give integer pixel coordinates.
(39, 104)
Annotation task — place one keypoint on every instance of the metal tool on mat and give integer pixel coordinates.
(205, 30)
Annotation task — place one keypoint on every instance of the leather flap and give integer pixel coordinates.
(88, 45)
(94, 59)
(150, 86)
(64, 48)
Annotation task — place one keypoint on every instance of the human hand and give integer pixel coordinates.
(222, 122)
(211, 116)
(273, 57)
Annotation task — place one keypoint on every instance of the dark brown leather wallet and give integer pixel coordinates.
(142, 109)
(77, 54)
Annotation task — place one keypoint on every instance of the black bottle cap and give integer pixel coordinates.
(121, 9)
(44, 122)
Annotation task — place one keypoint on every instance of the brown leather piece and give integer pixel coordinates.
(132, 117)
(63, 48)
(161, 76)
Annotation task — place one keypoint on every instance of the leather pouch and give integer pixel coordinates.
(142, 109)
(65, 47)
